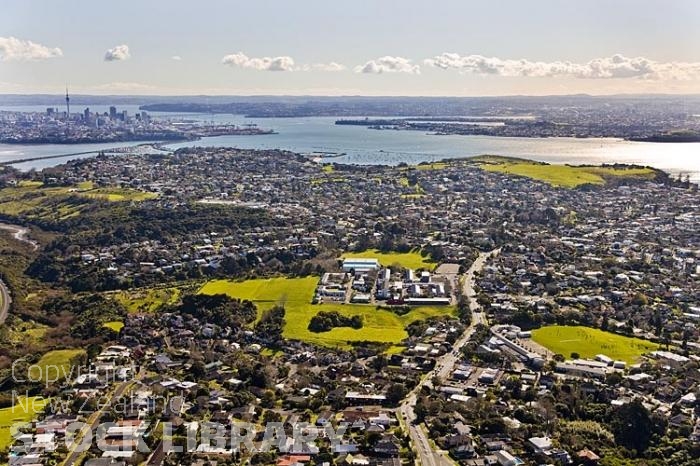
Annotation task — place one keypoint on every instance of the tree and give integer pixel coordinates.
(379, 362)
(271, 324)
(268, 401)
(396, 392)
(640, 299)
(260, 377)
(632, 426)
(327, 320)
(197, 370)
(464, 311)
(494, 425)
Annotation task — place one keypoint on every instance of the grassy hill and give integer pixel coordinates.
(565, 176)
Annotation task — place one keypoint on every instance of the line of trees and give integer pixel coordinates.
(327, 320)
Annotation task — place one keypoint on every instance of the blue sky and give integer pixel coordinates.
(358, 47)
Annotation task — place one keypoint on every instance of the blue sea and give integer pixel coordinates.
(360, 145)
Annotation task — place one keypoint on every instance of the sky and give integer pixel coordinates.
(358, 47)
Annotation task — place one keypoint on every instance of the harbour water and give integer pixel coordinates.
(360, 145)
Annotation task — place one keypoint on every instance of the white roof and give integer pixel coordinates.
(360, 260)
(541, 442)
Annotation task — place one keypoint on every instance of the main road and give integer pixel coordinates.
(427, 455)
(5, 301)
(20, 233)
(74, 453)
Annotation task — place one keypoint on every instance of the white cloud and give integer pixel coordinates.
(176, 58)
(388, 64)
(241, 60)
(616, 66)
(118, 53)
(13, 49)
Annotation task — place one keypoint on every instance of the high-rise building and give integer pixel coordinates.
(113, 112)
(67, 105)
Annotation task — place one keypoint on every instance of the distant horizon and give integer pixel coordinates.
(398, 96)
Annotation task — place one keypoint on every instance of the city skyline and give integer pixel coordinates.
(311, 48)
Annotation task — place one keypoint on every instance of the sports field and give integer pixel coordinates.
(588, 342)
(409, 260)
(296, 293)
(25, 410)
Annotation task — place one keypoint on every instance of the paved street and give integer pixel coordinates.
(428, 456)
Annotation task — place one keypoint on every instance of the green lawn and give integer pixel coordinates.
(30, 184)
(25, 410)
(270, 291)
(118, 194)
(588, 342)
(565, 176)
(26, 333)
(409, 260)
(55, 364)
(147, 300)
(296, 293)
(114, 325)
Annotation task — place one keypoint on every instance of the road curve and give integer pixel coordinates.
(428, 456)
(5, 301)
(20, 233)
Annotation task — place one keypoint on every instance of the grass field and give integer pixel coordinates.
(25, 410)
(118, 194)
(114, 325)
(287, 291)
(26, 333)
(55, 364)
(588, 342)
(295, 294)
(409, 260)
(560, 175)
(147, 300)
(33, 199)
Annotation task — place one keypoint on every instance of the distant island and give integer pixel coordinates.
(642, 118)
(670, 137)
(522, 127)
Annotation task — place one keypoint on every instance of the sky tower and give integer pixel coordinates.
(67, 105)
